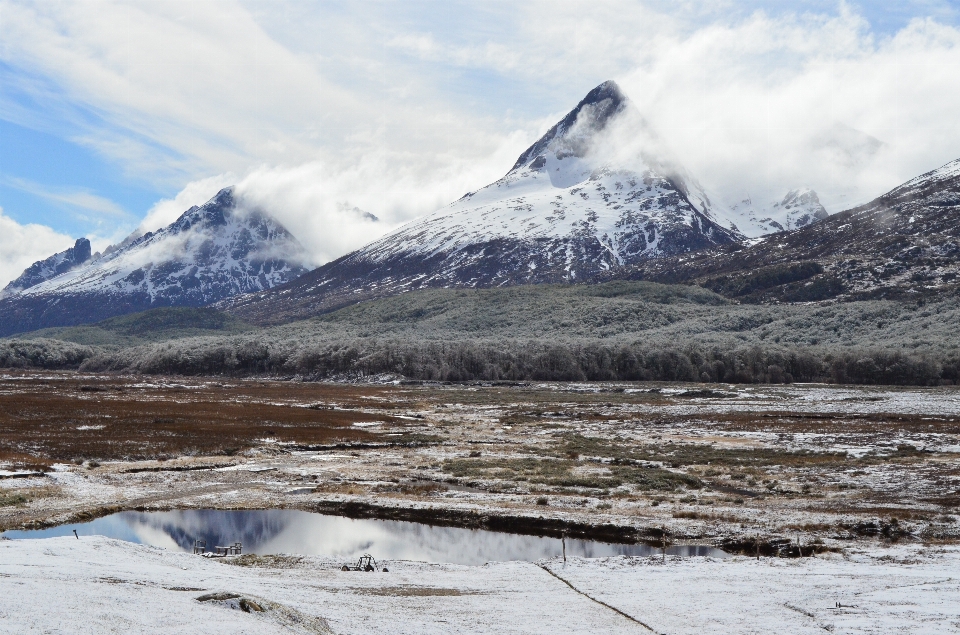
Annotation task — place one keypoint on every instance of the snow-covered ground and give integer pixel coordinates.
(100, 585)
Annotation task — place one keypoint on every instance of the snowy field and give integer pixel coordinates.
(99, 585)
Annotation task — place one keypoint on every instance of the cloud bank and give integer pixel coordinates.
(772, 103)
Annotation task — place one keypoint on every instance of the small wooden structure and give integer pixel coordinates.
(231, 550)
(200, 548)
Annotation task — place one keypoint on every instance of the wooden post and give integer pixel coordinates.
(663, 545)
(563, 541)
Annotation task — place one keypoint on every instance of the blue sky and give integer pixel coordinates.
(121, 117)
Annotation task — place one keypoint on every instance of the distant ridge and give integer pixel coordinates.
(902, 245)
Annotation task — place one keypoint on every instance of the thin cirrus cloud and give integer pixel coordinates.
(201, 79)
(76, 201)
(313, 110)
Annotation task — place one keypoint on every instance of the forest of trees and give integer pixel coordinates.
(493, 360)
(627, 331)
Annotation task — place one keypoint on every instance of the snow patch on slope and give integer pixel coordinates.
(798, 208)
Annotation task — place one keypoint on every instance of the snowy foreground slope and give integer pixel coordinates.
(100, 585)
(211, 252)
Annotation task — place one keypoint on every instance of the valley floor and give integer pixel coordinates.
(866, 477)
(825, 464)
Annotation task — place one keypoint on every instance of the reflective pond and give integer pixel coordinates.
(275, 531)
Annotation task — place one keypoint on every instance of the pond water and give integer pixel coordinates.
(275, 531)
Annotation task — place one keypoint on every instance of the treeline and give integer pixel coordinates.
(44, 354)
(494, 360)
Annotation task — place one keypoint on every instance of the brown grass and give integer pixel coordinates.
(22, 496)
(411, 489)
(43, 421)
(12, 460)
(836, 423)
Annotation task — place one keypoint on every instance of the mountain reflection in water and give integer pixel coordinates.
(286, 531)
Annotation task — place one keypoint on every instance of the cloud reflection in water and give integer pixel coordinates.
(274, 531)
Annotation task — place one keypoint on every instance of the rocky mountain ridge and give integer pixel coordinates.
(798, 208)
(43, 270)
(904, 245)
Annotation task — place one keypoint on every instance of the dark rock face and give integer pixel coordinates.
(210, 253)
(606, 101)
(904, 245)
(571, 208)
(43, 270)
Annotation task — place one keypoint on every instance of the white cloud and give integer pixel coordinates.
(22, 245)
(767, 104)
(315, 200)
(178, 88)
(186, 88)
(755, 104)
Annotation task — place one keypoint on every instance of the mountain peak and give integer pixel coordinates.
(607, 90)
(593, 194)
(43, 270)
(591, 115)
(213, 212)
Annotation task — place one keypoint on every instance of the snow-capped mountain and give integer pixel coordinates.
(904, 244)
(797, 209)
(210, 253)
(43, 270)
(594, 193)
(568, 207)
